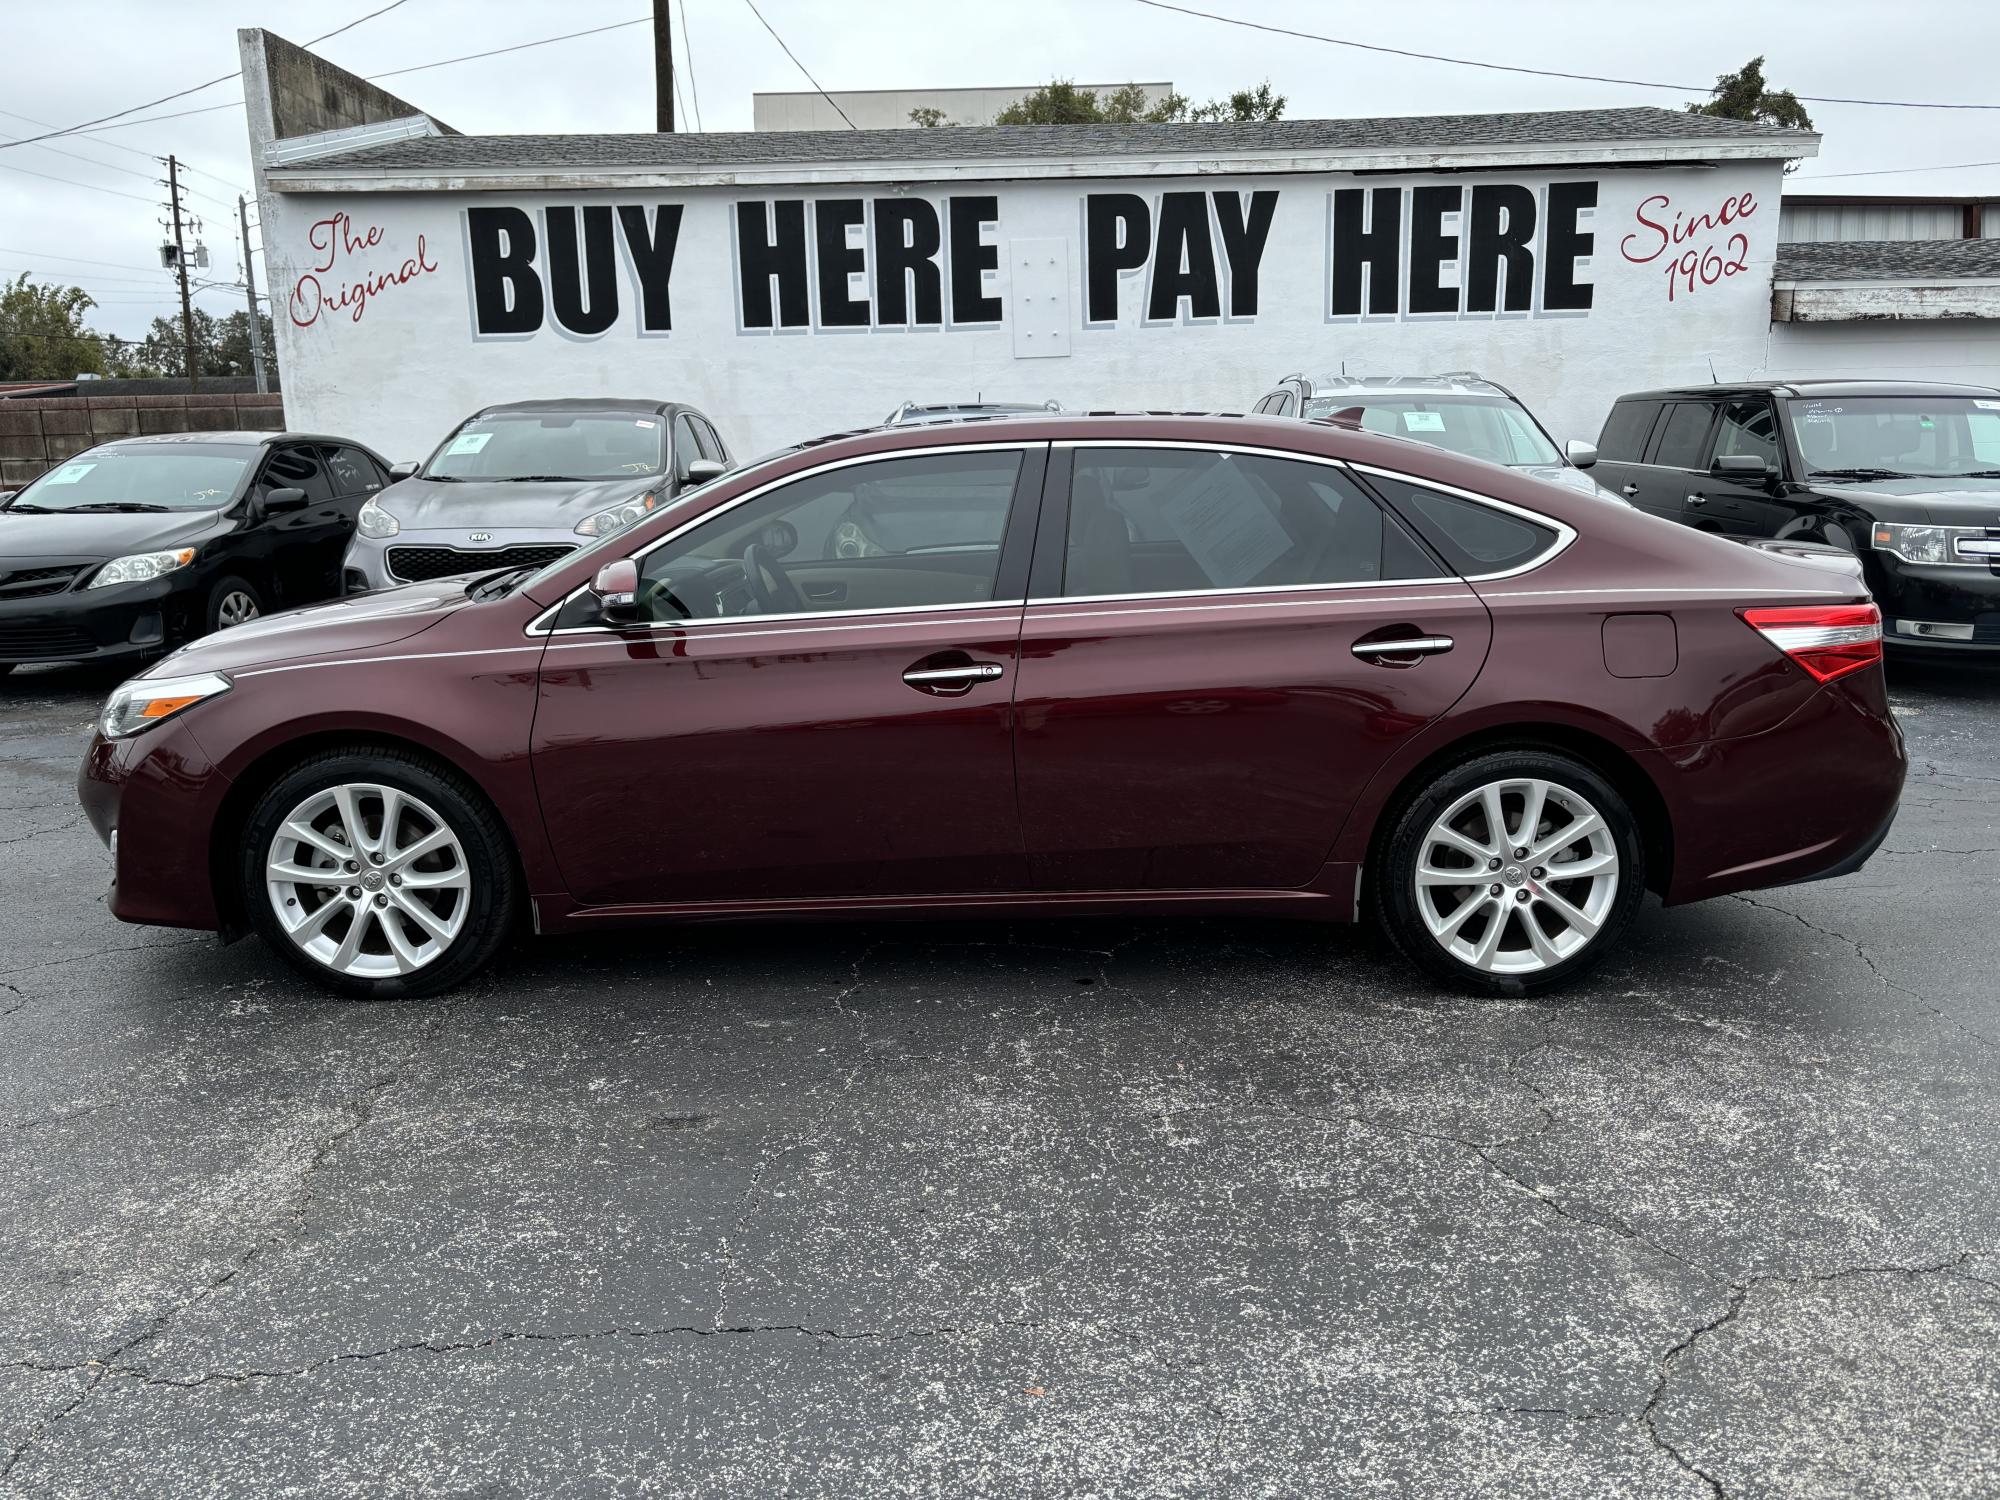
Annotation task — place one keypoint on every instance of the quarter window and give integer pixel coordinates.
(1683, 437)
(1748, 427)
(894, 534)
(1475, 539)
(352, 472)
(1150, 521)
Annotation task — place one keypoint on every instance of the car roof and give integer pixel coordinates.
(1449, 383)
(585, 403)
(1827, 386)
(233, 438)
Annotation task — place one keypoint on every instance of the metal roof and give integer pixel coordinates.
(1561, 131)
(1888, 260)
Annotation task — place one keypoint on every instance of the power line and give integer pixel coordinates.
(116, 265)
(196, 89)
(179, 114)
(72, 182)
(1953, 166)
(799, 65)
(91, 161)
(687, 49)
(517, 47)
(117, 146)
(1470, 62)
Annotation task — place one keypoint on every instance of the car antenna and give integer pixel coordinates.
(1713, 378)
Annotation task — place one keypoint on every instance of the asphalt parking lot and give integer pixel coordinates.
(1195, 1208)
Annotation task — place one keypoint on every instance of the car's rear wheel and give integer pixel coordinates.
(231, 602)
(1513, 872)
(379, 874)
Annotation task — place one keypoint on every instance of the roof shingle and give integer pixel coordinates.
(1888, 260)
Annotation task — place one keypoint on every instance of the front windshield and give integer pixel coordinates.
(1487, 427)
(164, 476)
(1921, 436)
(552, 445)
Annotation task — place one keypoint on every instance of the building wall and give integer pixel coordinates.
(375, 300)
(36, 434)
(889, 109)
(1883, 221)
(1955, 349)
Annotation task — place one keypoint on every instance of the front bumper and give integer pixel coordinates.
(1933, 608)
(119, 623)
(161, 794)
(419, 556)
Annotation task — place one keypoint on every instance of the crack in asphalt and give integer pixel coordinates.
(1868, 959)
(1739, 1298)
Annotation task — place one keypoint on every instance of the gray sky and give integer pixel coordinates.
(89, 57)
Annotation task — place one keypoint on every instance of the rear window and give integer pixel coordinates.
(1474, 539)
(1626, 430)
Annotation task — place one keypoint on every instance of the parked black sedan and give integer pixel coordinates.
(134, 547)
(1906, 474)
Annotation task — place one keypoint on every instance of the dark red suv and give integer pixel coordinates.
(1048, 664)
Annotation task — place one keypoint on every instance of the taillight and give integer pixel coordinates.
(1828, 640)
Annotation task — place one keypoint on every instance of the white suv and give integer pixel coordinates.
(1461, 412)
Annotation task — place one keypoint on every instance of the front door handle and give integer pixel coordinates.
(1419, 645)
(952, 682)
(1697, 499)
(1628, 490)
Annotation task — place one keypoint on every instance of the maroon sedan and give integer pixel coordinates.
(1046, 664)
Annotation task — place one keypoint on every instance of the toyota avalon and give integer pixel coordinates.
(1119, 664)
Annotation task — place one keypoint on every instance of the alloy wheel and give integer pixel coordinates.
(236, 607)
(1517, 876)
(368, 880)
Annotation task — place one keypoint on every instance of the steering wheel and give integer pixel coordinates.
(769, 584)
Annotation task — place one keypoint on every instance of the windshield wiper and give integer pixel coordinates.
(542, 479)
(442, 478)
(133, 506)
(40, 510)
(499, 585)
(1862, 474)
(1973, 474)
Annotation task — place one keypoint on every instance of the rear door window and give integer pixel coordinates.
(1747, 428)
(1475, 539)
(1626, 430)
(352, 472)
(1683, 439)
(1150, 521)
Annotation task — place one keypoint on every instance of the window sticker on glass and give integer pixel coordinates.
(1224, 524)
(643, 422)
(1986, 405)
(70, 473)
(1423, 421)
(469, 442)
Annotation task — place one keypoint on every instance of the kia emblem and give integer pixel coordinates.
(480, 536)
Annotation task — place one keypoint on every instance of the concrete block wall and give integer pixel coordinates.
(36, 435)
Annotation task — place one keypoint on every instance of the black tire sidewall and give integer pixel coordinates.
(495, 886)
(1395, 902)
(211, 620)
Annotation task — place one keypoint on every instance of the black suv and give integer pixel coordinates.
(1905, 474)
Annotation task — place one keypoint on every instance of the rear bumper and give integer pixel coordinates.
(1810, 799)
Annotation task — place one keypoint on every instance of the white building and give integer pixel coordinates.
(794, 283)
(890, 109)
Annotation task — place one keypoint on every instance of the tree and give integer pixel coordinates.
(42, 332)
(1742, 95)
(928, 118)
(1063, 103)
(221, 345)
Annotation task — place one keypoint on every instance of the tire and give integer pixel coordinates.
(466, 882)
(231, 602)
(1443, 926)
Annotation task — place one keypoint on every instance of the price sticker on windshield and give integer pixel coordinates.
(1423, 421)
(469, 442)
(69, 473)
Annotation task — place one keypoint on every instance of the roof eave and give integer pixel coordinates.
(334, 178)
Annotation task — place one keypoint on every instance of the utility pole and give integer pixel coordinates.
(663, 64)
(250, 288)
(181, 269)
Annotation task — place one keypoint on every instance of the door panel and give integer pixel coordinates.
(779, 759)
(1733, 505)
(304, 546)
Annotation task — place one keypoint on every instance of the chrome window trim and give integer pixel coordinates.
(1565, 533)
(817, 618)
(542, 625)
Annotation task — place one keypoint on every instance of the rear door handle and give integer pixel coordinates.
(1697, 499)
(1628, 490)
(951, 682)
(1420, 645)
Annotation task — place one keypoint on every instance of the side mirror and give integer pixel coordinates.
(616, 589)
(1580, 453)
(704, 469)
(1744, 466)
(284, 499)
(8, 494)
(402, 470)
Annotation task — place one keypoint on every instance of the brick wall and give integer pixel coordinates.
(35, 435)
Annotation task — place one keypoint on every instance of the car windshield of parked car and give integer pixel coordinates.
(1920, 436)
(1477, 426)
(519, 445)
(190, 476)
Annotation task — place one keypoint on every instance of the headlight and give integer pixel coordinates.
(617, 518)
(141, 566)
(145, 701)
(1927, 544)
(373, 521)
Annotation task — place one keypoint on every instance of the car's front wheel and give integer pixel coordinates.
(379, 874)
(1510, 873)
